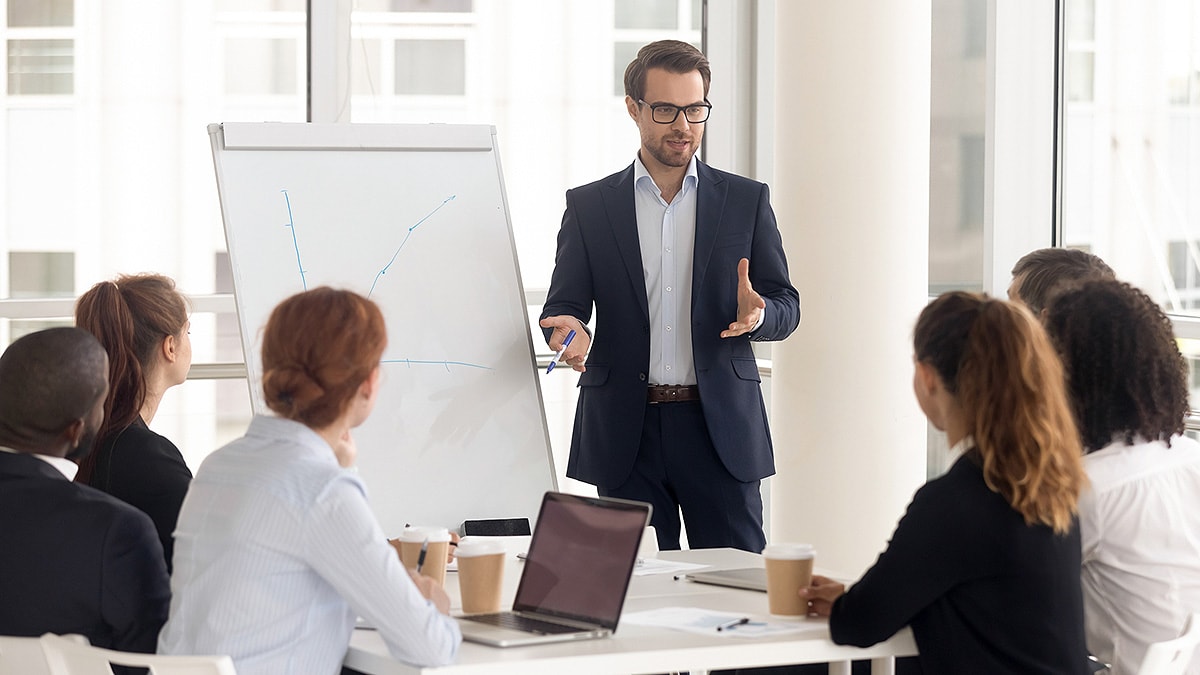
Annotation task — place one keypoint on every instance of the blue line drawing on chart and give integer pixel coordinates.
(295, 244)
(409, 362)
(406, 236)
(447, 364)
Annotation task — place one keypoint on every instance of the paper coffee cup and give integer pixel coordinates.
(436, 541)
(789, 568)
(480, 574)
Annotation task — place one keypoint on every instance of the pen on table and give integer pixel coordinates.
(730, 625)
(421, 555)
(559, 353)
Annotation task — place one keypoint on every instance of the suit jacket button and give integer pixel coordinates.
(642, 377)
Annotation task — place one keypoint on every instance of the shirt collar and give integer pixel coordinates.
(65, 466)
(960, 448)
(690, 179)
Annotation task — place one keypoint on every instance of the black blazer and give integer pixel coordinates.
(983, 591)
(146, 470)
(75, 560)
(599, 263)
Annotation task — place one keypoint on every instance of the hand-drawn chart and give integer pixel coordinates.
(413, 216)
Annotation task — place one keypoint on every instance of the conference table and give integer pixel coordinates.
(636, 648)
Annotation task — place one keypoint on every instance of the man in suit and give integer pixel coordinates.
(684, 266)
(75, 560)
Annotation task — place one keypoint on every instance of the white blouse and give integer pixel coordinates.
(276, 552)
(1140, 527)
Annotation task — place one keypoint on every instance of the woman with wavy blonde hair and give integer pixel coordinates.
(985, 563)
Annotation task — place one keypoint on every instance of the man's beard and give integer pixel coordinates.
(660, 152)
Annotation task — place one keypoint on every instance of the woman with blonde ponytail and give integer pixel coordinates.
(984, 566)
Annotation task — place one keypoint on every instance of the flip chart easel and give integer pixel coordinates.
(414, 217)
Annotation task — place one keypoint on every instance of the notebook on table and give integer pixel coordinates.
(575, 576)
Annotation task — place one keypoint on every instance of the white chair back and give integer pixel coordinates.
(1171, 657)
(22, 656)
(68, 658)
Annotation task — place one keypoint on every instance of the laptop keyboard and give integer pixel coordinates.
(525, 623)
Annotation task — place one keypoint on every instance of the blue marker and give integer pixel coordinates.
(563, 348)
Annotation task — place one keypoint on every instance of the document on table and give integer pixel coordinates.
(707, 622)
(647, 566)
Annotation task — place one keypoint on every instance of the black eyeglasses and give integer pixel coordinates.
(665, 113)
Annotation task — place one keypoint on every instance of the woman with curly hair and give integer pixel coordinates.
(142, 321)
(1140, 521)
(984, 566)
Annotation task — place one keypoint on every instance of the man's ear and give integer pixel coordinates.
(73, 434)
(632, 107)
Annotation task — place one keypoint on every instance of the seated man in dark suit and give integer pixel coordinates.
(74, 560)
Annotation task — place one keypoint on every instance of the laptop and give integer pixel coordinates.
(748, 578)
(576, 574)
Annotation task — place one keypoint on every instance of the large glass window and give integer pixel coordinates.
(956, 145)
(39, 40)
(40, 66)
(547, 75)
(1132, 145)
(39, 274)
(106, 168)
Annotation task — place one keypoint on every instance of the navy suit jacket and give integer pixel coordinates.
(75, 560)
(599, 263)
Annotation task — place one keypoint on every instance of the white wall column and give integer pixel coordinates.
(851, 191)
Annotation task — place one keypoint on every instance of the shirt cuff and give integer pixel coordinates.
(761, 316)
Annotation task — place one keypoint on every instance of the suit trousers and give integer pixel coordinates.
(677, 469)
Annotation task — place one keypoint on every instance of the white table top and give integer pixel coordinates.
(642, 649)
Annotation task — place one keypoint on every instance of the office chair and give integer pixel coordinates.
(22, 656)
(65, 657)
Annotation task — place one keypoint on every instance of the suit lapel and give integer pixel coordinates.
(710, 205)
(622, 218)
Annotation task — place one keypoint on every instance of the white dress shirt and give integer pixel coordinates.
(276, 552)
(667, 238)
(1140, 529)
(667, 235)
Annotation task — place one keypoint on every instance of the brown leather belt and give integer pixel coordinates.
(671, 393)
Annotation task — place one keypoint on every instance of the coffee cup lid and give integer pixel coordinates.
(789, 551)
(469, 547)
(424, 533)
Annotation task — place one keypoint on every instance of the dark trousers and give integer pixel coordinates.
(677, 469)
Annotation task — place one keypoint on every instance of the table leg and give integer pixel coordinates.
(839, 668)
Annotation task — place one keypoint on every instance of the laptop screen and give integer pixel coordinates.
(581, 557)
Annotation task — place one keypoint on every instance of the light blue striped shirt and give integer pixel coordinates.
(277, 551)
(667, 235)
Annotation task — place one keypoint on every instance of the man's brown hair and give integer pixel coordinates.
(672, 56)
